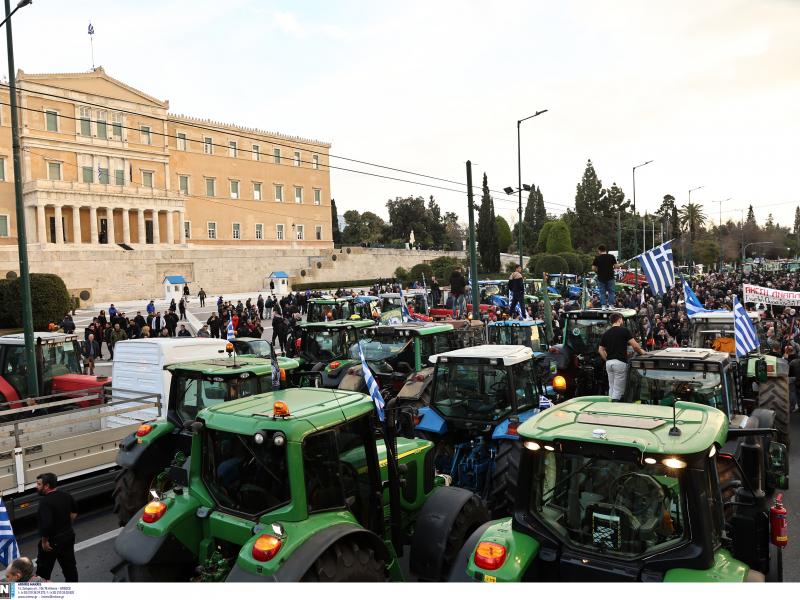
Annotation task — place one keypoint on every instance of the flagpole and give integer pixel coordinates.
(91, 41)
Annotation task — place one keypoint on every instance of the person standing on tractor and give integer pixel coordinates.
(458, 286)
(603, 265)
(516, 288)
(614, 350)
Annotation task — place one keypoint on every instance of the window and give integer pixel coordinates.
(187, 229)
(256, 191)
(183, 184)
(102, 175)
(296, 158)
(237, 231)
(182, 141)
(298, 194)
(54, 171)
(278, 193)
(211, 186)
(315, 160)
(277, 154)
(145, 134)
(147, 179)
(234, 189)
(86, 121)
(232, 149)
(116, 126)
(51, 118)
(119, 176)
(3, 225)
(256, 152)
(259, 231)
(212, 230)
(208, 145)
(102, 124)
(279, 231)
(301, 235)
(317, 196)
(2, 168)
(318, 232)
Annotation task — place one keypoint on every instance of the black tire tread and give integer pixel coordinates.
(773, 394)
(346, 561)
(504, 478)
(130, 493)
(472, 515)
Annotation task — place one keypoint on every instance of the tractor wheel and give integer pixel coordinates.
(131, 492)
(504, 478)
(472, 515)
(346, 561)
(773, 394)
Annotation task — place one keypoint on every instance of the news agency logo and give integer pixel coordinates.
(7, 590)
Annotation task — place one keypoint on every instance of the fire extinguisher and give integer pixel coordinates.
(778, 530)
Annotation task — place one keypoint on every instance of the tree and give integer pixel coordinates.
(535, 213)
(539, 213)
(706, 252)
(589, 199)
(487, 232)
(405, 215)
(692, 219)
(366, 228)
(615, 198)
(435, 224)
(559, 239)
(797, 227)
(454, 234)
(337, 235)
(674, 223)
(503, 234)
(544, 234)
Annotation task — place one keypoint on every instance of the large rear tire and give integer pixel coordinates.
(504, 478)
(131, 492)
(347, 562)
(472, 515)
(773, 394)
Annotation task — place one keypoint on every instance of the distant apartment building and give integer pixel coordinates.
(104, 163)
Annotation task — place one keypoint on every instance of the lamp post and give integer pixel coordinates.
(635, 243)
(509, 191)
(721, 256)
(22, 242)
(691, 237)
(634, 184)
(519, 182)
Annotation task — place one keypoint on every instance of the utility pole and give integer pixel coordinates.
(644, 233)
(473, 257)
(619, 237)
(721, 255)
(22, 242)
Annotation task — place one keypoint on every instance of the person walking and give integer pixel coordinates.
(117, 335)
(614, 350)
(57, 512)
(517, 290)
(202, 295)
(182, 309)
(91, 350)
(280, 329)
(603, 265)
(260, 305)
(458, 286)
(151, 307)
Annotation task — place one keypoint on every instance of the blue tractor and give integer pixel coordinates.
(479, 397)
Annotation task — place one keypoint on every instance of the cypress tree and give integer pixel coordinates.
(488, 246)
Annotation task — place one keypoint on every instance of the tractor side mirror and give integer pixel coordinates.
(179, 476)
(778, 466)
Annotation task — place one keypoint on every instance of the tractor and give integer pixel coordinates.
(335, 309)
(525, 333)
(147, 453)
(479, 397)
(628, 492)
(295, 485)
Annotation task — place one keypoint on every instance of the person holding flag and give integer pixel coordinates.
(276, 370)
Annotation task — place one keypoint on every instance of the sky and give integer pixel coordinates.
(709, 91)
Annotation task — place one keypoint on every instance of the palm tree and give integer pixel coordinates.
(691, 218)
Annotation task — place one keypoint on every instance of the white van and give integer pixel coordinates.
(139, 365)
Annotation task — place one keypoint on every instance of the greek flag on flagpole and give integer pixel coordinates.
(91, 29)
(8, 542)
(693, 305)
(744, 332)
(658, 268)
(372, 385)
(406, 314)
(230, 333)
(276, 370)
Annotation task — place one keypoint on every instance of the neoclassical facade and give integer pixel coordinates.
(104, 164)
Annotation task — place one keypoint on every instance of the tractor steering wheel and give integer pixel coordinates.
(646, 494)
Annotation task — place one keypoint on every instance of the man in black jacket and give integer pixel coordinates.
(516, 288)
(57, 511)
(213, 325)
(91, 351)
(458, 286)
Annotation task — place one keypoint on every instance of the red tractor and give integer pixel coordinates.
(58, 367)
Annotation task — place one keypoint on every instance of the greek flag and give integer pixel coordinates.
(693, 305)
(744, 332)
(276, 370)
(372, 385)
(91, 29)
(658, 268)
(230, 333)
(8, 542)
(406, 314)
(544, 403)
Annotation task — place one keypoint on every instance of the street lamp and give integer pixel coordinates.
(22, 242)
(519, 183)
(691, 240)
(720, 202)
(634, 185)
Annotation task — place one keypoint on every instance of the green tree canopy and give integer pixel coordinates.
(503, 234)
(337, 235)
(559, 239)
(487, 232)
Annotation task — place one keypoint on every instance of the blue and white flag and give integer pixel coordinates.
(545, 403)
(658, 268)
(406, 314)
(744, 332)
(9, 551)
(372, 385)
(693, 304)
(230, 333)
(276, 370)
(91, 29)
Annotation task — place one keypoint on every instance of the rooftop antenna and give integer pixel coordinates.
(674, 431)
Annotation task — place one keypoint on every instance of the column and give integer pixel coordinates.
(141, 239)
(156, 230)
(170, 228)
(93, 225)
(41, 231)
(110, 218)
(59, 227)
(182, 226)
(126, 226)
(76, 224)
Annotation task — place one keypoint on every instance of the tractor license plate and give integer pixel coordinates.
(489, 579)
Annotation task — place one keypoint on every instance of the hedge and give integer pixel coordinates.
(559, 240)
(549, 263)
(334, 285)
(49, 299)
(574, 262)
(443, 267)
(415, 274)
(401, 274)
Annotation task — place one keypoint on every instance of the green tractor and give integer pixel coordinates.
(335, 309)
(628, 492)
(145, 456)
(294, 485)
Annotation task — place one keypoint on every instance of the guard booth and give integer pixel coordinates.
(281, 281)
(173, 287)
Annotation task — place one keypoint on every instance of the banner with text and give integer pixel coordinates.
(762, 295)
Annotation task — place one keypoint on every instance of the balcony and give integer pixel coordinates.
(46, 191)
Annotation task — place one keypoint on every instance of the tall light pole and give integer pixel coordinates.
(721, 256)
(634, 184)
(22, 242)
(691, 227)
(635, 242)
(519, 183)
